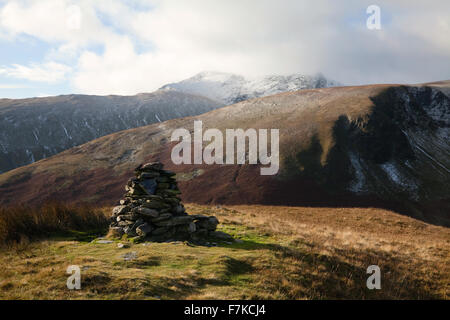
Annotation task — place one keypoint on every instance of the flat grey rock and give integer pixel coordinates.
(103, 241)
(129, 256)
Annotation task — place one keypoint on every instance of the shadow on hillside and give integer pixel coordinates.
(180, 288)
(360, 147)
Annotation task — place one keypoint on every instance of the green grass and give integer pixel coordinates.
(75, 235)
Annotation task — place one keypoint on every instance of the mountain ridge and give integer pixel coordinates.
(36, 128)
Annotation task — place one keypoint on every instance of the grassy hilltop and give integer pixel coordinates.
(281, 253)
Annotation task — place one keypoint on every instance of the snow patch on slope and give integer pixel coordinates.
(359, 183)
(400, 179)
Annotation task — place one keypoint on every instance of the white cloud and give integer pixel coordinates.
(53, 21)
(196, 36)
(245, 36)
(12, 86)
(49, 72)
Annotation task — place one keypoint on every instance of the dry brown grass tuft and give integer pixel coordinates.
(20, 224)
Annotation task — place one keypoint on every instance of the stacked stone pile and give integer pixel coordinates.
(151, 209)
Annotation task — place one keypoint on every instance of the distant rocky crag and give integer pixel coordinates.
(152, 210)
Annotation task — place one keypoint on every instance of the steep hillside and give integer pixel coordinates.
(231, 88)
(380, 145)
(36, 128)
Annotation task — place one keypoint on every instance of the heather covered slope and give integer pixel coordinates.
(379, 145)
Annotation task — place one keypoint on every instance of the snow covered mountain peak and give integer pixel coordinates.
(231, 88)
(217, 76)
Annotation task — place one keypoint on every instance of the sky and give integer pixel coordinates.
(52, 47)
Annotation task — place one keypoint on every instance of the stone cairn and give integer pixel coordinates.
(152, 210)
